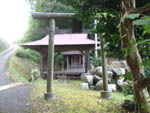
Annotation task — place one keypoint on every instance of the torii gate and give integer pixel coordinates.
(50, 95)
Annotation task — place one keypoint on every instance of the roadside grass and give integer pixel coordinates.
(20, 69)
(71, 99)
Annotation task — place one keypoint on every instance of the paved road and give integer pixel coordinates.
(4, 57)
(14, 100)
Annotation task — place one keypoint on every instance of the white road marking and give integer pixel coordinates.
(11, 86)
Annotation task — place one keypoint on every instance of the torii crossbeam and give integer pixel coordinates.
(50, 95)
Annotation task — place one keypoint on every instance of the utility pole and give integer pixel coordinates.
(50, 94)
(95, 24)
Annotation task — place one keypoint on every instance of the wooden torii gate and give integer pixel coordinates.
(50, 94)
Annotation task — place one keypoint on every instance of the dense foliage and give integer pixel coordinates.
(109, 23)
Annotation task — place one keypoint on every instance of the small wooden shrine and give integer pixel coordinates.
(75, 48)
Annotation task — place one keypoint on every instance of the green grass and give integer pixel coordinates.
(71, 99)
(20, 69)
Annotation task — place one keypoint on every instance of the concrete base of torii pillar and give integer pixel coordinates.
(105, 94)
(50, 96)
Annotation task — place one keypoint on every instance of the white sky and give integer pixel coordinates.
(13, 19)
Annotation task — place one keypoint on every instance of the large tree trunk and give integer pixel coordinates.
(133, 57)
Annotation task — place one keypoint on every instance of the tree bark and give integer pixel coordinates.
(145, 10)
(133, 57)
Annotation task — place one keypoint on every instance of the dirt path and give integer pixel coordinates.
(15, 99)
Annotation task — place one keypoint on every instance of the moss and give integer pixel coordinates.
(71, 99)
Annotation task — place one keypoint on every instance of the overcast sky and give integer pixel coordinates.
(13, 19)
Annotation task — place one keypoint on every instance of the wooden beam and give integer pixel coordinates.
(46, 15)
(63, 48)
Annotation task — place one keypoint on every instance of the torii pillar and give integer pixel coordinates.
(105, 93)
(50, 95)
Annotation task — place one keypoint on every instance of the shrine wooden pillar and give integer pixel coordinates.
(83, 61)
(62, 65)
(87, 61)
(67, 62)
(50, 95)
(41, 64)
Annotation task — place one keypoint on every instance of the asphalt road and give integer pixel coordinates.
(13, 100)
(4, 57)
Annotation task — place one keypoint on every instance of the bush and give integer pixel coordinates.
(127, 76)
(128, 88)
(29, 54)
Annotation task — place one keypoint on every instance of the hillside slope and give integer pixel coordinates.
(20, 68)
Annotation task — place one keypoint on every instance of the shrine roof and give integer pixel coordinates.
(63, 39)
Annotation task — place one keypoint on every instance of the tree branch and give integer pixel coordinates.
(144, 83)
(145, 10)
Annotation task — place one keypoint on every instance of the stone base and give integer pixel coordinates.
(49, 96)
(105, 94)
